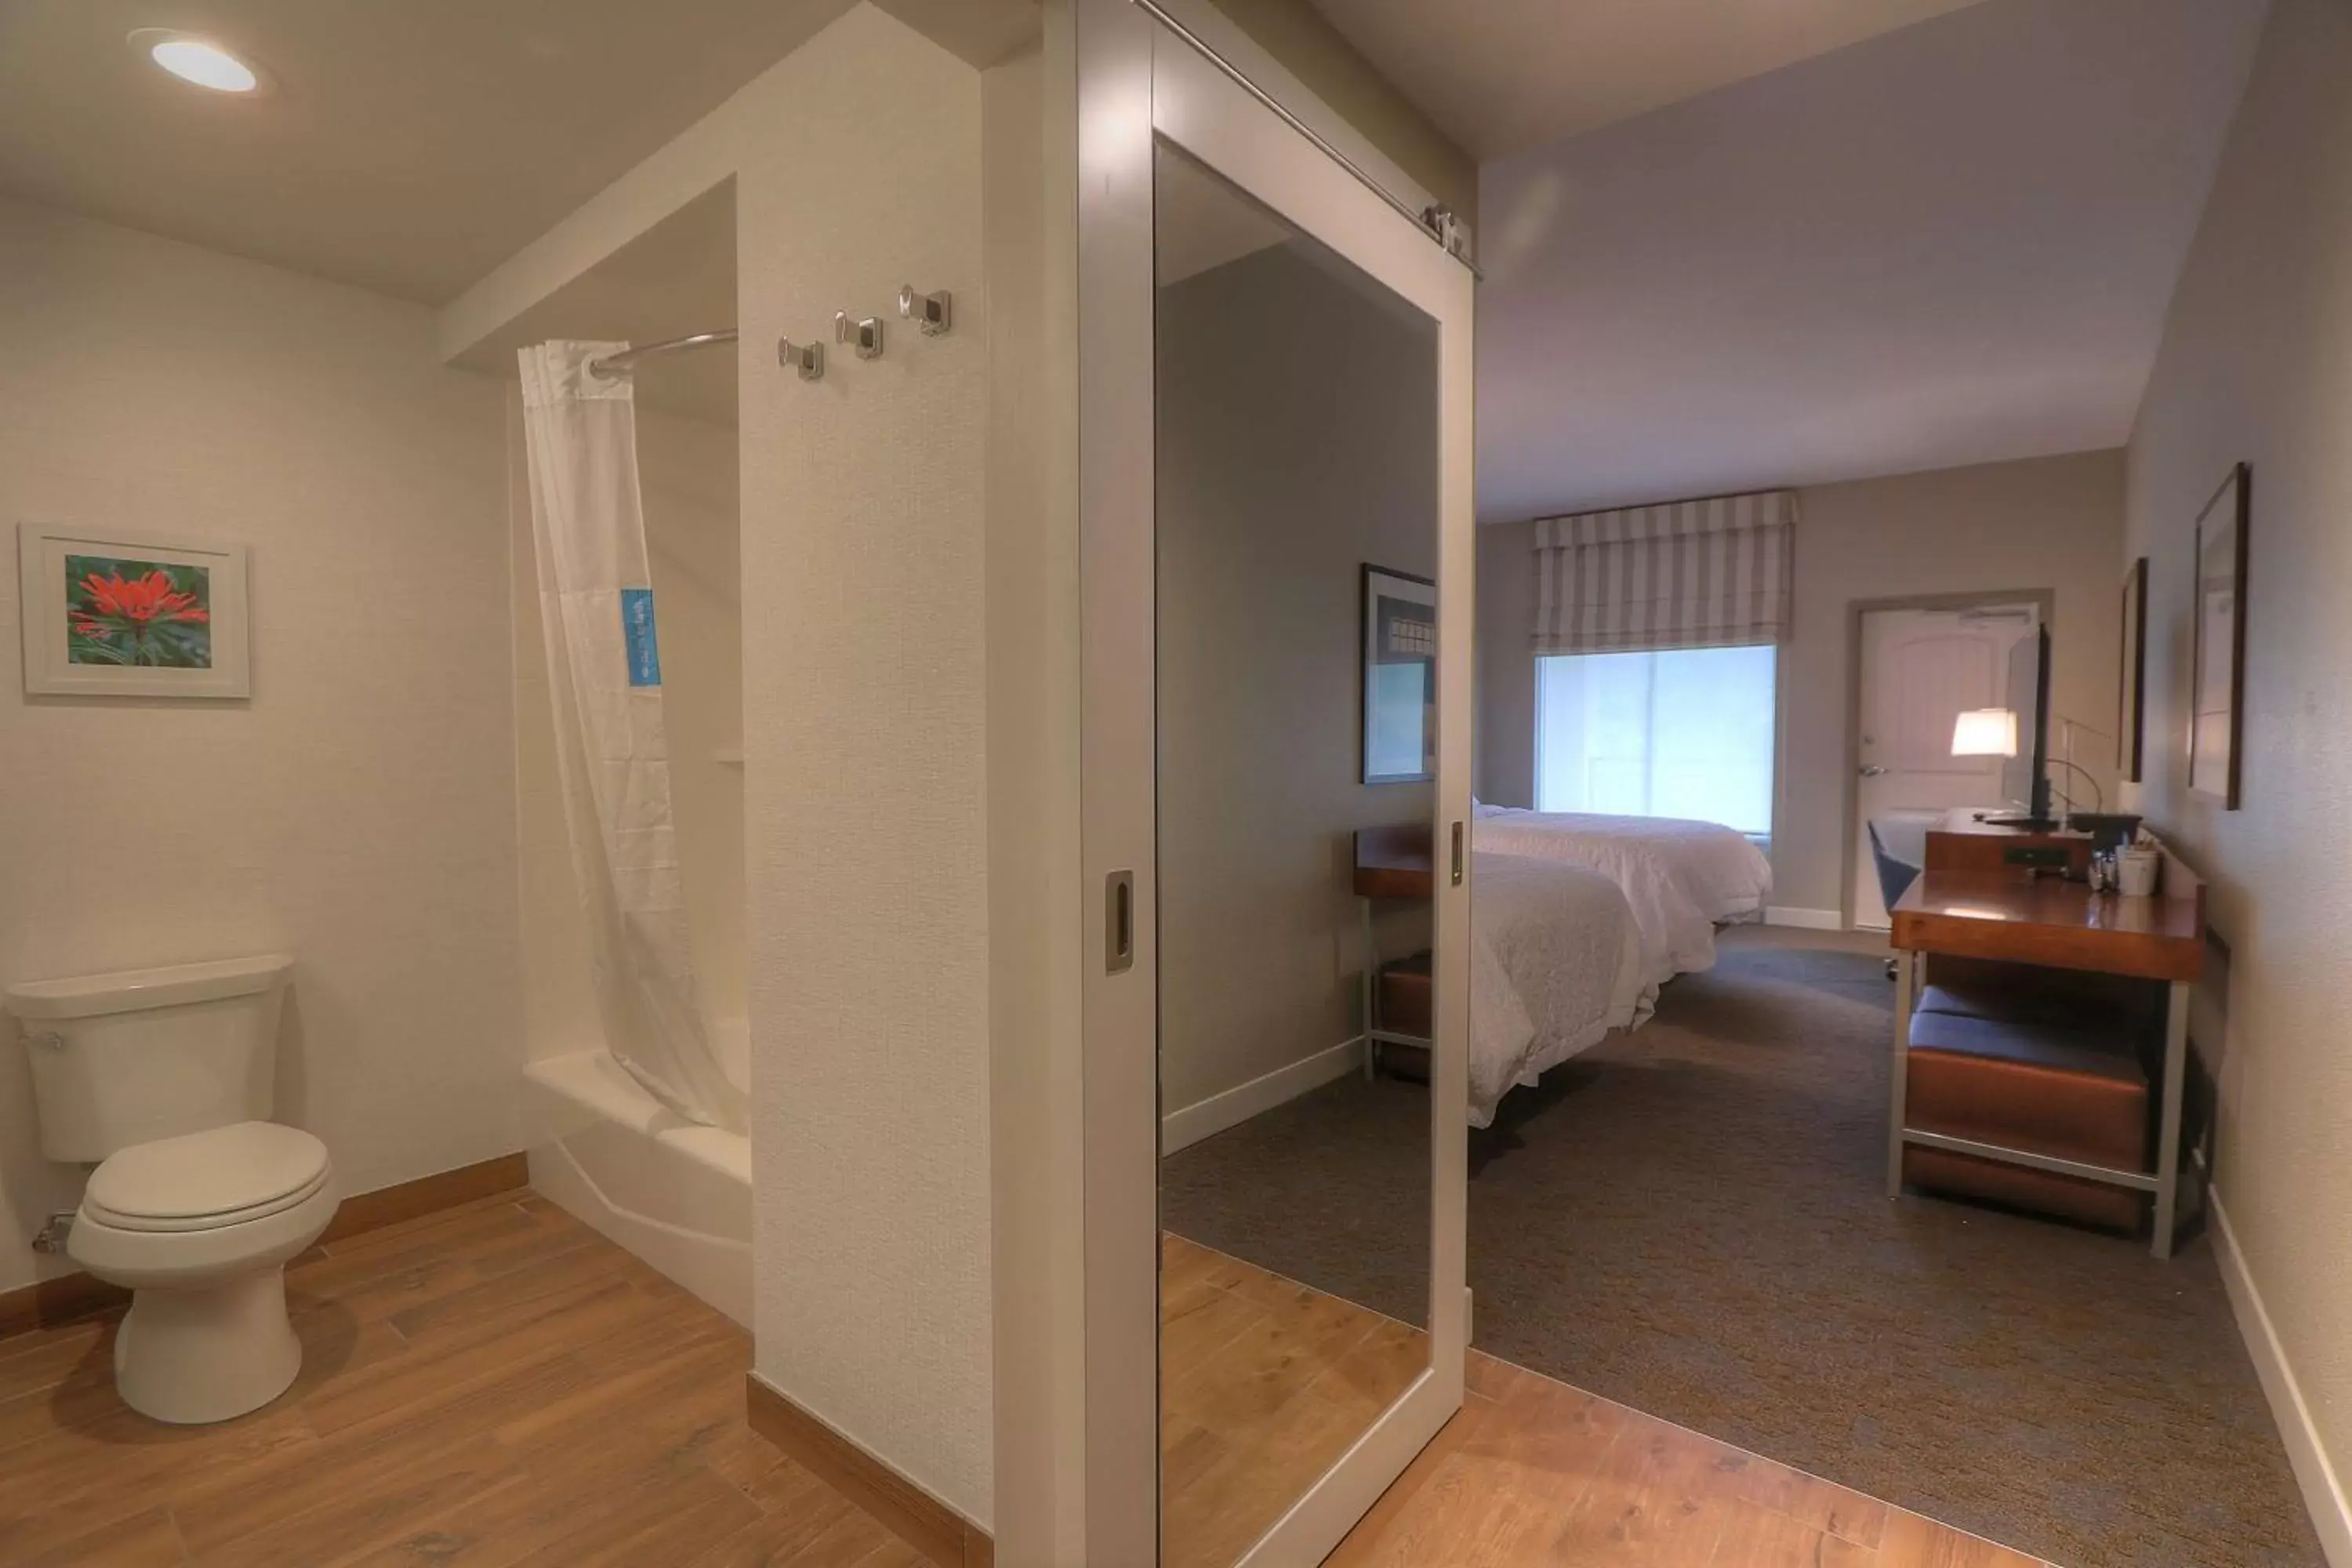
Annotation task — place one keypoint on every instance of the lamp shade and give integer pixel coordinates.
(1985, 732)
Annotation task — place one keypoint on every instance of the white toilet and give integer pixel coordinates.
(165, 1078)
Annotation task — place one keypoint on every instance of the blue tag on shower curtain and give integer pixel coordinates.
(637, 630)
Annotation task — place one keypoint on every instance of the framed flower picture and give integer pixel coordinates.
(106, 615)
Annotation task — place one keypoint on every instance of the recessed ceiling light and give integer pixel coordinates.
(199, 60)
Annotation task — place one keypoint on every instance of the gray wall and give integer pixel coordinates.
(1297, 440)
(2256, 366)
(2045, 522)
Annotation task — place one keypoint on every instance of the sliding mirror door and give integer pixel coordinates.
(1283, 592)
(1297, 546)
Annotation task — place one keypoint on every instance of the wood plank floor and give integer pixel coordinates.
(1263, 1383)
(498, 1385)
(492, 1387)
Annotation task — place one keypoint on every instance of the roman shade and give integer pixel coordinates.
(1691, 573)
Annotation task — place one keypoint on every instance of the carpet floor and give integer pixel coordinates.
(1692, 1220)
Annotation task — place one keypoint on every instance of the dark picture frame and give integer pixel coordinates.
(2131, 710)
(2217, 672)
(1397, 694)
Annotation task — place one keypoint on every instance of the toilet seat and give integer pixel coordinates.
(207, 1180)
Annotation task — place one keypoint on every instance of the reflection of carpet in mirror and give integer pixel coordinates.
(1263, 1384)
(1266, 1382)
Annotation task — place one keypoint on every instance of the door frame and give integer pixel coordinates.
(1849, 865)
(1137, 81)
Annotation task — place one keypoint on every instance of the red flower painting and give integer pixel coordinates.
(138, 612)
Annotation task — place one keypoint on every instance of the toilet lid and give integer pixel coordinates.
(202, 1180)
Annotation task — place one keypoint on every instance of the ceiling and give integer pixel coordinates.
(1502, 75)
(409, 146)
(1954, 243)
(1200, 222)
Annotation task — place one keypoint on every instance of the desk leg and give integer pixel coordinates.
(1906, 995)
(2167, 1151)
(1370, 981)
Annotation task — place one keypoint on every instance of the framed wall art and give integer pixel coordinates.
(1400, 692)
(2217, 681)
(113, 614)
(2131, 704)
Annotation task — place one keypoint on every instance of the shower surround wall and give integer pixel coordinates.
(357, 811)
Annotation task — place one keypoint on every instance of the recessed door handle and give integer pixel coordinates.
(1871, 770)
(1118, 923)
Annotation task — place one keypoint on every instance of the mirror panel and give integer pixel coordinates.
(1297, 542)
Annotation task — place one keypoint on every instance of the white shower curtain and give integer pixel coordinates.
(604, 670)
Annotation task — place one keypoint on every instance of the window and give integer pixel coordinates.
(1678, 732)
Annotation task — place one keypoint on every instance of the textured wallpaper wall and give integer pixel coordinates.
(359, 811)
(2257, 366)
(865, 709)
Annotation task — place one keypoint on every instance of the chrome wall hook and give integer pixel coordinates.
(865, 333)
(933, 314)
(806, 358)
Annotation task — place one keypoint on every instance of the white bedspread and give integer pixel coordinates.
(1556, 963)
(1680, 878)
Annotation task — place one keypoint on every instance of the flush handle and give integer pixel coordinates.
(1457, 853)
(1118, 923)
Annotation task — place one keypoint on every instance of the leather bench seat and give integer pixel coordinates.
(2040, 1081)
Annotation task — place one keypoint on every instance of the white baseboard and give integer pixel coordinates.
(1802, 919)
(2323, 1494)
(1237, 1105)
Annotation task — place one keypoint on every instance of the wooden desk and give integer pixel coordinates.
(2060, 925)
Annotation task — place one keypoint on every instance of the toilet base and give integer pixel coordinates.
(191, 1357)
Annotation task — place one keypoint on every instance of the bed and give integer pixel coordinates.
(1556, 963)
(1682, 878)
(1556, 957)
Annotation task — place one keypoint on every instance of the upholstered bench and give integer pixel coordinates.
(2038, 1066)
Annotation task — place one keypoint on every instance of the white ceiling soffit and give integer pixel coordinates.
(1502, 75)
(407, 148)
(982, 31)
(1954, 244)
(675, 279)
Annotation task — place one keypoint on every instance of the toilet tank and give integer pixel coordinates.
(127, 1059)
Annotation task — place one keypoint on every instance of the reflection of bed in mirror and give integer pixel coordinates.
(1682, 878)
(1556, 960)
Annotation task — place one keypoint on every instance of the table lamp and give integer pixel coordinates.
(1985, 732)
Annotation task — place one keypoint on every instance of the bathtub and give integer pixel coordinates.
(678, 1196)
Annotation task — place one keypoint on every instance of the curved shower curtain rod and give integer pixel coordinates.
(614, 365)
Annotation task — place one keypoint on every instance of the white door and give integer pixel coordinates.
(1920, 670)
(1154, 111)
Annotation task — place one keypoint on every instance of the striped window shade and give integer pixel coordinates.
(1692, 574)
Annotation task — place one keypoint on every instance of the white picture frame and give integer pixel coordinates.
(133, 615)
